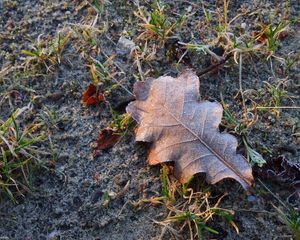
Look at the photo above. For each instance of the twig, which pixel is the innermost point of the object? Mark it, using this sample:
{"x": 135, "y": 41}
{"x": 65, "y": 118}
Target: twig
{"x": 240, "y": 84}
{"x": 276, "y": 197}
{"x": 214, "y": 66}
{"x": 172, "y": 230}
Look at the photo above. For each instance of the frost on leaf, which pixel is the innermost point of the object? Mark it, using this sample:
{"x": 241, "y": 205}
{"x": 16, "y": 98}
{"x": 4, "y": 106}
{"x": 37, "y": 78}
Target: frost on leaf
{"x": 185, "y": 130}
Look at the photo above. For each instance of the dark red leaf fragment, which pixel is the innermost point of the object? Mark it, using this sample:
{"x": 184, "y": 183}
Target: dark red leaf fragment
{"x": 107, "y": 138}
{"x": 92, "y": 96}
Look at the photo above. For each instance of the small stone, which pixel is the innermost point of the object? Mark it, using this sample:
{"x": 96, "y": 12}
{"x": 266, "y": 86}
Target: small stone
{"x": 96, "y": 196}
{"x": 55, "y": 96}
{"x": 189, "y": 8}
{"x": 120, "y": 179}
{"x": 251, "y": 198}
{"x": 54, "y": 235}
{"x": 125, "y": 46}
{"x": 77, "y": 202}
{"x": 58, "y": 212}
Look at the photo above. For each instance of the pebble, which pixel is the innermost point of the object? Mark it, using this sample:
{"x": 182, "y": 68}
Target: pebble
{"x": 58, "y": 212}
{"x": 54, "y": 235}
{"x": 96, "y": 196}
{"x": 120, "y": 179}
{"x": 251, "y": 198}
{"x": 124, "y": 46}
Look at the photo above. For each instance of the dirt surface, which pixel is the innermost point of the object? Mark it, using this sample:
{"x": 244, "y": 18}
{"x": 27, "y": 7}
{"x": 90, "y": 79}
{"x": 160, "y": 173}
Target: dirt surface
{"x": 68, "y": 198}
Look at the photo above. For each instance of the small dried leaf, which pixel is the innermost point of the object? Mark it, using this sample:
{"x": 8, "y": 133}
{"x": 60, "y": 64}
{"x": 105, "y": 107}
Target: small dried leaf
{"x": 260, "y": 37}
{"x": 90, "y": 91}
{"x": 107, "y": 138}
{"x": 185, "y": 131}
{"x": 92, "y": 96}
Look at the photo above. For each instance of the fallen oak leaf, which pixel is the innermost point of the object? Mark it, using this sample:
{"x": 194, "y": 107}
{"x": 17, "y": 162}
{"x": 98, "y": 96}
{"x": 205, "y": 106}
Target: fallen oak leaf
{"x": 92, "y": 96}
{"x": 107, "y": 138}
{"x": 185, "y": 131}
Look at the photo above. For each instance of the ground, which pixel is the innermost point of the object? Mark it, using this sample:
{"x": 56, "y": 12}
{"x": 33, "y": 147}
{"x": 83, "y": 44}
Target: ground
{"x": 77, "y": 195}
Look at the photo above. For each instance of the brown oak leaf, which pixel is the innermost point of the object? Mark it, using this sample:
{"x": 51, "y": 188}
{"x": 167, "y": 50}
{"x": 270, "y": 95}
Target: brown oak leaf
{"x": 185, "y": 130}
